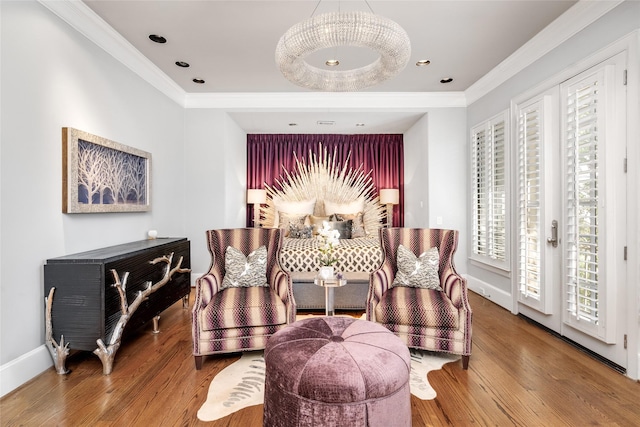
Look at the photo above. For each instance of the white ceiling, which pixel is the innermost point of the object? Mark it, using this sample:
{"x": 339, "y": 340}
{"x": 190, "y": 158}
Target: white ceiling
{"x": 231, "y": 45}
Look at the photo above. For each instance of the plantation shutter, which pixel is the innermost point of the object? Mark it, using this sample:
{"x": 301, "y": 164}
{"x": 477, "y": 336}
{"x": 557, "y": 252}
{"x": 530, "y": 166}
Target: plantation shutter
{"x": 535, "y": 145}
{"x": 582, "y": 219}
{"x": 497, "y": 218}
{"x": 489, "y": 171}
{"x": 529, "y": 207}
{"x": 481, "y": 194}
{"x": 586, "y": 103}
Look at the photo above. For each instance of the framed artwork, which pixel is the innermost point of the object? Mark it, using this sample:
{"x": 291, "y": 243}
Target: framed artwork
{"x": 99, "y": 175}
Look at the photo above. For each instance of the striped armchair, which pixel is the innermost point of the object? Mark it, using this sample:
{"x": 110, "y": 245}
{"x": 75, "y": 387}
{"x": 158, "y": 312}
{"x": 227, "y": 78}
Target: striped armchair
{"x": 425, "y": 319}
{"x": 240, "y": 319}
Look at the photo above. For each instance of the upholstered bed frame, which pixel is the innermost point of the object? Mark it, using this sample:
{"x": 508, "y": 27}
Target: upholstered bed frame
{"x": 318, "y": 188}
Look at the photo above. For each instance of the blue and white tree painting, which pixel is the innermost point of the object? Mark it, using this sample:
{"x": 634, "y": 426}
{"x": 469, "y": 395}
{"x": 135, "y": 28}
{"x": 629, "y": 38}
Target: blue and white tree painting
{"x": 110, "y": 177}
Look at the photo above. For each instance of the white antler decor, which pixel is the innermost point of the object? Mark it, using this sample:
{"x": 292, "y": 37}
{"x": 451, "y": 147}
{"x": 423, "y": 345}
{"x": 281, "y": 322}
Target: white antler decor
{"x": 107, "y": 353}
{"x": 59, "y": 352}
{"x": 323, "y": 178}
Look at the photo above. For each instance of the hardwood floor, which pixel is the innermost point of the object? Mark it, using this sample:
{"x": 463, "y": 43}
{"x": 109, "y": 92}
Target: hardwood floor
{"x": 518, "y": 375}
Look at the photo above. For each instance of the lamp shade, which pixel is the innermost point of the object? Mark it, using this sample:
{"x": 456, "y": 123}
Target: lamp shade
{"x": 389, "y": 196}
{"x": 256, "y": 196}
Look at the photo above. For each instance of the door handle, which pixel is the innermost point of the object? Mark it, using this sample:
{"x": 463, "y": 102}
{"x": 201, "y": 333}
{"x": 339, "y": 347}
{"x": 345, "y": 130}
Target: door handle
{"x": 554, "y": 234}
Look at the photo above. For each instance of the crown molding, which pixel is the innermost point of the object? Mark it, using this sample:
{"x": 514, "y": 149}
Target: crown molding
{"x": 79, "y": 16}
{"x": 88, "y": 23}
{"x": 321, "y": 101}
{"x": 575, "y": 19}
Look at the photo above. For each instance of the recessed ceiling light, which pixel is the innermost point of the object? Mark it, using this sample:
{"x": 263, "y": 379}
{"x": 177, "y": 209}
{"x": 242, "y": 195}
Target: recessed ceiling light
{"x": 447, "y": 80}
{"x": 326, "y": 122}
{"x": 293, "y": 124}
{"x": 359, "y": 124}
{"x": 157, "y": 38}
{"x": 182, "y": 64}
{"x": 199, "y": 81}
{"x": 332, "y": 62}
{"x": 423, "y": 62}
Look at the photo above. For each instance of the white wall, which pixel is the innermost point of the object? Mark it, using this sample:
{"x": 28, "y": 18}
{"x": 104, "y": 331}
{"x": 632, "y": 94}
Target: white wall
{"x": 416, "y": 177}
{"x": 54, "y": 77}
{"x": 613, "y": 26}
{"x": 435, "y": 166}
{"x": 216, "y": 162}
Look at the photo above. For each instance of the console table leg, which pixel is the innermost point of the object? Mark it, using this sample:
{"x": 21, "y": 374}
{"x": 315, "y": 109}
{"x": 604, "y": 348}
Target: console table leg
{"x": 59, "y": 352}
{"x": 185, "y": 301}
{"x": 107, "y": 354}
{"x": 156, "y": 327}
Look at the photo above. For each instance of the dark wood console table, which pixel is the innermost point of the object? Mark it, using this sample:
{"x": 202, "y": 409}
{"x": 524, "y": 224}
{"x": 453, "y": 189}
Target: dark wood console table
{"x": 92, "y": 296}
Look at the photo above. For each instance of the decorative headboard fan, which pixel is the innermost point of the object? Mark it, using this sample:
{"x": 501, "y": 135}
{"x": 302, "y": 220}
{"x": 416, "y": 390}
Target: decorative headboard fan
{"x": 323, "y": 178}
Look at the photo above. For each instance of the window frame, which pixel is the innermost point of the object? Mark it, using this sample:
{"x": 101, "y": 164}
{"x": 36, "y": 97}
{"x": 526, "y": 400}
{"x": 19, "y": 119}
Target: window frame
{"x": 611, "y": 188}
{"x": 546, "y": 105}
{"x": 494, "y": 240}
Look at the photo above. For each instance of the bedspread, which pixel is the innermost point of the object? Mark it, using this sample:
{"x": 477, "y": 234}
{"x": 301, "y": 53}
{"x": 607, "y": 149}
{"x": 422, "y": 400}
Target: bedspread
{"x": 362, "y": 254}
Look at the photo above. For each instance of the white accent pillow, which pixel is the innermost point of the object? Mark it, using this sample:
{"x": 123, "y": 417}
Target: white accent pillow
{"x": 344, "y": 208}
{"x": 418, "y": 272}
{"x": 244, "y": 272}
{"x": 298, "y": 207}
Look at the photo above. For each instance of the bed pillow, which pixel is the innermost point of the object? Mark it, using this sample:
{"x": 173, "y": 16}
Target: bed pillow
{"x": 244, "y": 272}
{"x": 304, "y": 232}
{"x": 316, "y": 223}
{"x": 346, "y": 208}
{"x": 343, "y": 227}
{"x": 289, "y": 221}
{"x": 417, "y": 272}
{"x": 298, "y": 207}
{"x": 357, "y": 229}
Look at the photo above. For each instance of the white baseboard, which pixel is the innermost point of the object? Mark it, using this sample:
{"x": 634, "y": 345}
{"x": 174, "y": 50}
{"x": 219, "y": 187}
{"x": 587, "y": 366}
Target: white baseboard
{"x": 24, "y": 368}
{"x": 490, "y": 292}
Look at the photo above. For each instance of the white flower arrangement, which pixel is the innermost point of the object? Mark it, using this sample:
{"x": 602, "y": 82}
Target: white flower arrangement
{"x": 328, "y": 238}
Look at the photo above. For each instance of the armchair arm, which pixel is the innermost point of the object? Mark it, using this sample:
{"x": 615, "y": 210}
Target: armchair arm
{"x": 206, "y": 286}
{"x": 379, "y": 282}
{"x": 280, "y": 282}
{"x": 455, "y": 286}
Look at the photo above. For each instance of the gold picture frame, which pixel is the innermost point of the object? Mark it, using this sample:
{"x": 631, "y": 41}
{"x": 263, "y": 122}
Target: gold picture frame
{"x": 99, "y": 175}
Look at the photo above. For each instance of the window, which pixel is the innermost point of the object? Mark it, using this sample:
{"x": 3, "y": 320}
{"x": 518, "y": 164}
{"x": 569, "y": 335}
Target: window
{"x": 489, "y": 188}
{"x": 589, "y": 144}
{"x": 536, "y": 146}
{"x": 582, "y": 213}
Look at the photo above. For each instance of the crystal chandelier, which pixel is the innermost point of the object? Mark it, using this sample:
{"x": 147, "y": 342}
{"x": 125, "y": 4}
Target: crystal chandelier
{"x": 358, "y": 29}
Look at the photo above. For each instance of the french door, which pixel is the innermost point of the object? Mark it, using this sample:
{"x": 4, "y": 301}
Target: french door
{"x": 571, "y": 209}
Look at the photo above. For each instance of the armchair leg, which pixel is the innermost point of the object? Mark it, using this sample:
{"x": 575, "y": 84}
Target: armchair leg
{"x": 198, "y": 360}
{"x": 465, "y": 362}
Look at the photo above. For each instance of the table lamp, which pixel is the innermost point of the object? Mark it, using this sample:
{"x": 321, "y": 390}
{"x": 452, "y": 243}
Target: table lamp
{"x": 256, "y": 197}
{"x": 389, "y": 197}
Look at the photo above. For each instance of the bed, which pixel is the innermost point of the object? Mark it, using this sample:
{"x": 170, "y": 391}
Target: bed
{"x": 321, "y": 192}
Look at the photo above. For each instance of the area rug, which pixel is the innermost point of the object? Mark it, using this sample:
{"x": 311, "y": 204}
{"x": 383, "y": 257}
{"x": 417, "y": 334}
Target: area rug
{"x": 241, "y": 384}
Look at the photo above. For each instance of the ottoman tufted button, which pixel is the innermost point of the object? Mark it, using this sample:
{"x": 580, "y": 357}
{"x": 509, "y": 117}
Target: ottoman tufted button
{"x": 336, "y": 371}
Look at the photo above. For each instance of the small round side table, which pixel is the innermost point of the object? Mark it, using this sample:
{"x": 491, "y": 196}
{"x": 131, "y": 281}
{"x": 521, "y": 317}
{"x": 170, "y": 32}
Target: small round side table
{"x": 329, "y": 285}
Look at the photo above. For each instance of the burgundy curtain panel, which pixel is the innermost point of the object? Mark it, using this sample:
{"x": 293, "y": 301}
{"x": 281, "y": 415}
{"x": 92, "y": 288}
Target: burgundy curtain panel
{"x": 268, "y": 155}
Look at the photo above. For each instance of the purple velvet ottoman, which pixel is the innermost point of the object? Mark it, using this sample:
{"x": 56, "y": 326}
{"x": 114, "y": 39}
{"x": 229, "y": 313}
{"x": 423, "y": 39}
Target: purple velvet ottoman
{"x": 336, "y": 371}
